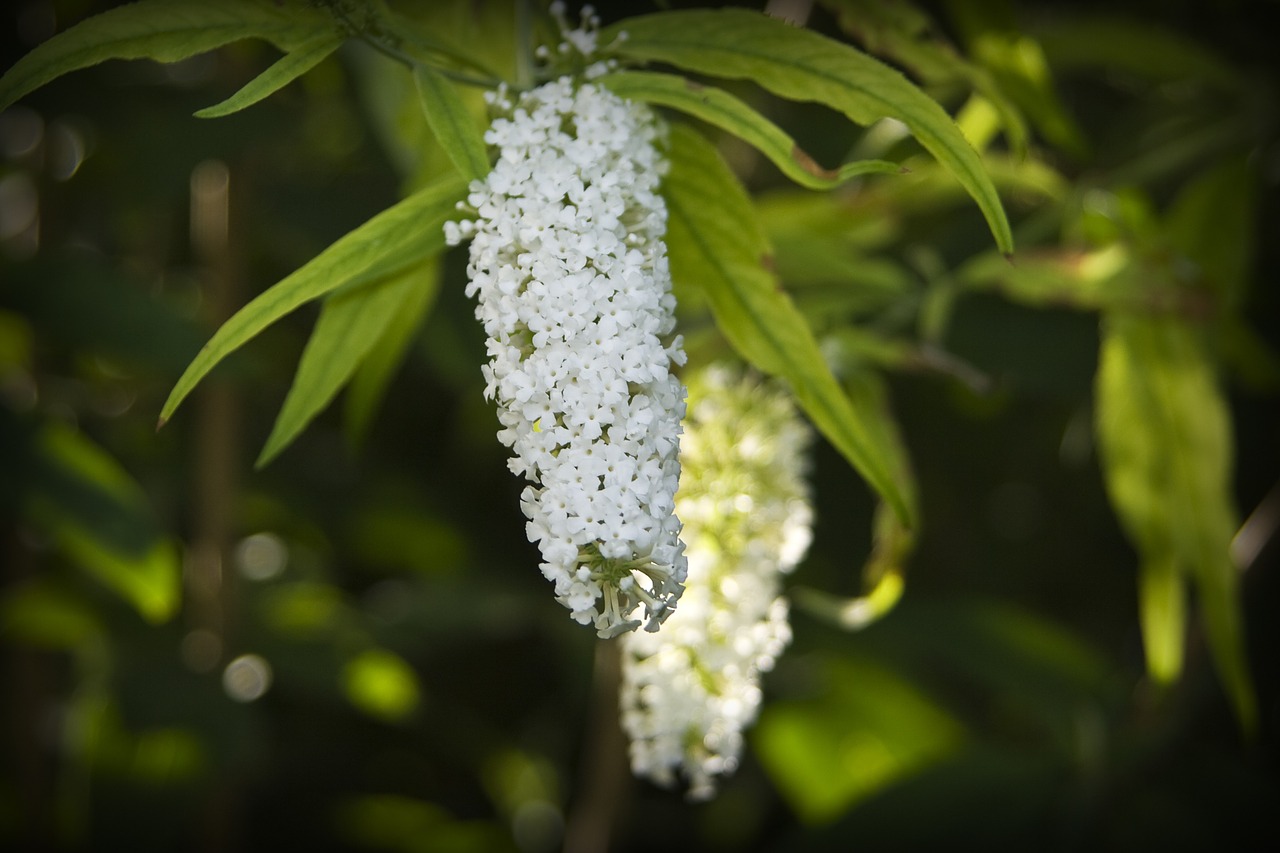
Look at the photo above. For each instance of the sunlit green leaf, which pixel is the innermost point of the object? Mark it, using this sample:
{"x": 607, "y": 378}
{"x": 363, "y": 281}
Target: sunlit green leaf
{"x": 374, "y": 374}
{"x": 1164, "y": 433}
{"x": 381, "y": 684}
{"x": 905, "y": 35}
{"x": 1017, "y": 63}
{"x": 350, "y": 324}
{"x": 93, "y": 511}
{"x": 805, "y": 66}
{"x": 163, "y": 30}
{"x": 1162, "y": 615}
{"x": 718, "y": 107}
{"x": 867, "y": 730}
{"x": 718, "y": 247}
{"x": 451, "y": 123}
{"x": 409, "y": 231}
{"x": 293, "y": 65}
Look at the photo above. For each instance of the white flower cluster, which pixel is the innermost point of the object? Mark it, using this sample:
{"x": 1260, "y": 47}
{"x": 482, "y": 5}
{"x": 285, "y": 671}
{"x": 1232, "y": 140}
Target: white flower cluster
{"x": 689, "y": 691}
{"x": 568, "y": 261}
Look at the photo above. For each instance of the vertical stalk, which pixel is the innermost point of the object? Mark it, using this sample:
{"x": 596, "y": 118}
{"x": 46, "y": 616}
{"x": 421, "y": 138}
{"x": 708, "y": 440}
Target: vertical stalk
{"x": 604, "y": 780}
{"x": 210, "y": 583}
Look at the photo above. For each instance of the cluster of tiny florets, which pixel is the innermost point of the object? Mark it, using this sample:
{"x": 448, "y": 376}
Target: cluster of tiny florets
{"x": 570, "y": 270}
{"x": 689, "y": 690}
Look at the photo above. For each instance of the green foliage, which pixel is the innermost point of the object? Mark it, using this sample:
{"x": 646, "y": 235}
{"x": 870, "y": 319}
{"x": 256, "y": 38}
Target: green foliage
{"x": 731, "y": 114}
{"x": 421, "y": 698}
{"x": 1164, "y": 430}
{"x": 716, "y": 245}
{"x": 407, "y": 233}
{"x": 295, "y": 63}
{"x": 451, "y": 123}
{"x": 166, "y": 31}
{"x": 804, "y": 66}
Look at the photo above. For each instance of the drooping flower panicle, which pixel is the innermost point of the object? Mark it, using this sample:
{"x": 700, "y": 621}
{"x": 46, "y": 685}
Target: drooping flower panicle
{"x": 570, "y": 270}
{"x": 689, "y": 690}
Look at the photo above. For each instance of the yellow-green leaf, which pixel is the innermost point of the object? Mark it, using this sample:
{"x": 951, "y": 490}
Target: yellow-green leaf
{"x": 717, "y": 246}
{"x": 374, "y": 373}
{"x": 718, "y": 107}
{"x": 350, "y": 323}
{"x": 163, "y": 30}
{"x": 95, "y": 513}
{"x": 451, "y": 123}
{"x": 805, "y": 66}
{"x": 1164, "y": 435}
{"x": 293, "y": 65}
{"x": 409, "y": 231}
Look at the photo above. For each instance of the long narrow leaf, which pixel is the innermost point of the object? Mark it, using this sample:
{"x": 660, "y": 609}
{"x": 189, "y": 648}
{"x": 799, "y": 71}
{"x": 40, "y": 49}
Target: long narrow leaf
{"x": 805, "y": 66}
{"x": 718, "y": 246}
{"x": 451, "y": 122}
{"x": 1165, "y": 439}
{"x": 374, "y": 373}
{"x": 163, "y": 30}
{"x": 350, "y": 323}
{"x": 293, "y": 65}
{"x": 406, "y": 232}
{"x": 718, "y": 107}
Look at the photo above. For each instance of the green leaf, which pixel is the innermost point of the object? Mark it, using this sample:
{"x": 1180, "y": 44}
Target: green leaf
{"x": 1165, "y": 438}
{"x": 95, "y": 513}
{"x": 804, "y": 66}
{"x": 1162, "y": 615}
{"x": 718, "y": 246}
{"x": 409, "y": 231}
{"x": 451, "y": 122}
{"x": 1213, "y": 223}
{"x": 375, "y": 371}
{"x": 904, "y": 34}
{"x": 718, "y": 107}
{"x": 892, "y": 541}
{"x": 163, "y": 30}
{"x": 349, "y": 325}
{"x": 866, "y": 730}
{"x": 293, "y": 65}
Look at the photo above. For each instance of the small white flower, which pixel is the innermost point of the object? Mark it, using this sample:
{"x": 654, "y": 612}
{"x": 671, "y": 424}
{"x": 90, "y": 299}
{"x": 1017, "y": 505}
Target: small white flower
{"x": 689, "y": 690}
{"x": 569, "y": 267}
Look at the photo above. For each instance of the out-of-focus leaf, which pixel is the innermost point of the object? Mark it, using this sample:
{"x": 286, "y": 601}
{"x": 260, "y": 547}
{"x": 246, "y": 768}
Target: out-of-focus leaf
{"x": 805, "y": 66}
{"x": 1059, "y": 277}
{"x": 718, "y": 107}
{"x": 350, "y": 323}
{"x": 41, "y": 614}
{"x": 163, "y": 30}
{"x": 717, "y": 246}
{"x": 374, "y": 373}
{"x": 1109, "y": 43}
{"x": 904, "y": 34}
{"x": 302, "y": 609}
{"x": 93, "y": 511}
{"x": 293, "y": 65}
{"x": 1164, "y": 433}
{"x": 868, "y": 729}
{"x": 1020, "y": 68}
{"x": 1211, "y": 223}
{"x": 1162, "y": 614}
{"x": 452, "y": 123}
{"x": 408, "y": 232}
{"x": 381, "y": 684}
{"x": 405, "y": 825}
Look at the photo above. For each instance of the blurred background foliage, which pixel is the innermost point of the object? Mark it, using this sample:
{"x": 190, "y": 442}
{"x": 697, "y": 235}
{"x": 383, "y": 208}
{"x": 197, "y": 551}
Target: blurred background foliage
{"x": 351, "y": 648}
